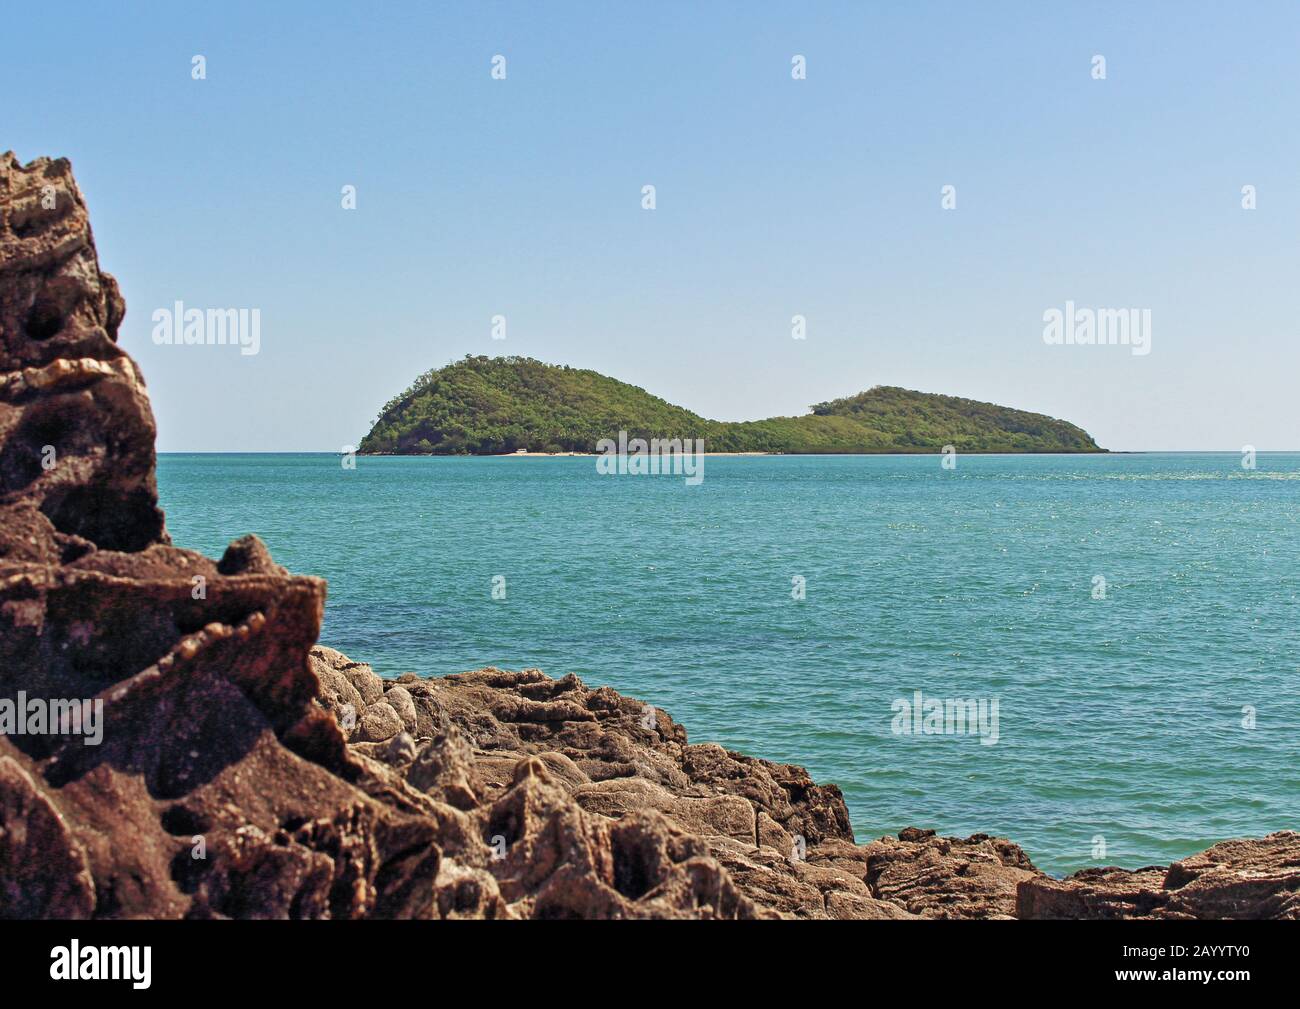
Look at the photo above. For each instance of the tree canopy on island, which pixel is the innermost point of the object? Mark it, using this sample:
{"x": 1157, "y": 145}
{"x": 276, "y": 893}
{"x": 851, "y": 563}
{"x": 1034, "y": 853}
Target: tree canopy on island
{"x": 492, "y": 405}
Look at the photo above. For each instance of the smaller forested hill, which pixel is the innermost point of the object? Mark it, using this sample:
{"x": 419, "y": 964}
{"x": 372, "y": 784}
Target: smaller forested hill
{"x": 490, "y": 405}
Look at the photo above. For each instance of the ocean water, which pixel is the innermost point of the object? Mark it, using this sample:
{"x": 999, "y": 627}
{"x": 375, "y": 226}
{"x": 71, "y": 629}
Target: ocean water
{"x": 1156, "y": 720}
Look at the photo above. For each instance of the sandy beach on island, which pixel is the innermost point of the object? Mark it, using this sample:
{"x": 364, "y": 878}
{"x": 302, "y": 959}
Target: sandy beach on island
{"x": 533, "y": 455}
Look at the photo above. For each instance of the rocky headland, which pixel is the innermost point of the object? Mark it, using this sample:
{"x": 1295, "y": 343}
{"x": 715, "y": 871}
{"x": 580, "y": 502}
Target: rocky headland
{"x": 246, "y": 771}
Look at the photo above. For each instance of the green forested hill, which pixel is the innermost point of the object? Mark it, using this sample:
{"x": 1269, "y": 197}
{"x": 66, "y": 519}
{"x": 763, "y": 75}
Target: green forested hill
{"x": 488, "y": 405}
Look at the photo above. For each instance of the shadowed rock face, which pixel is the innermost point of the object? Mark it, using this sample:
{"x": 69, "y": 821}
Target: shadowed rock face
{"x": 245, "y": 772}
{"x": 66, "y": 383}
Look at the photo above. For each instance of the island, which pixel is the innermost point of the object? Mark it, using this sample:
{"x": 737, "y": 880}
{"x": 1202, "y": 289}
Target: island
{"x": 503, "y": 405}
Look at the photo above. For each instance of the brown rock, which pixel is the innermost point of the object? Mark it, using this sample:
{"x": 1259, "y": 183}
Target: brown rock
{"x": 378, "y": 723}
{"x": 444, "y": 768}
{"x": 944, "y": 877}
{"x": 1235, "y": 879}
{"x": 399, "y": 699}
{"x": 43, "y": 870}
{"x": 76, "y": 432}
{"x": 725, "y": 815}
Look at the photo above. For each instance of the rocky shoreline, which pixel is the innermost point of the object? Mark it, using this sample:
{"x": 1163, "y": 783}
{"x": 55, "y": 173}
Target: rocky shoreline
{"x": 246, "y": 771}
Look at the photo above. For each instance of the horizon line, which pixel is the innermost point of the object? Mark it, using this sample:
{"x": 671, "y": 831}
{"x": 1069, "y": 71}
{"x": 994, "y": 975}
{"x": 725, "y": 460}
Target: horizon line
{"x": 752, "y": 455}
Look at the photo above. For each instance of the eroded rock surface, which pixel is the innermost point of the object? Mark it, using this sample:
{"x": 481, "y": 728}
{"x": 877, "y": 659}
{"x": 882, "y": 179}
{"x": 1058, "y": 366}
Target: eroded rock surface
{"x": 784, "y": 841}
{"x": 246, "y": 772}
{"x": 1258, "y": 878}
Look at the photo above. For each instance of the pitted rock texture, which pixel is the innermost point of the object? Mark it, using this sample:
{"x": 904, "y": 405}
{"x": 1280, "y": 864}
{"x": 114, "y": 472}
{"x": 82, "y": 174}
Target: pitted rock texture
{"x": 784, "y": 840}
{"x": 611, "y": 751}
{"x": 245, "y": 772}
{"x": 1233, "y": 879}
{"x": 76, "y": 432}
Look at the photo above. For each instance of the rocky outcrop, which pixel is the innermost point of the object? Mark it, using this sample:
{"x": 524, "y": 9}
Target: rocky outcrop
{"x": 461, "y": 739}
{"x": 221, "y": 786}
{"x": 65, "y": 384}
{"x": 784, "y": 840}
{"x": 1235, "y": 879}
{"x": 244, "y": 771}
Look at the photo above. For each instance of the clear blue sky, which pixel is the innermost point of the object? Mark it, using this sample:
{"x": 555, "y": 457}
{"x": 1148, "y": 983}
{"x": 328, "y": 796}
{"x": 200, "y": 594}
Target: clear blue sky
{"x": 819, "y": 197}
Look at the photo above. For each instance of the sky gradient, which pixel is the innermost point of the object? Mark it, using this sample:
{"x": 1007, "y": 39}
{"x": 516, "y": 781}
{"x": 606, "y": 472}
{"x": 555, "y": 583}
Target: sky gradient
{"x": 775, "y": 197}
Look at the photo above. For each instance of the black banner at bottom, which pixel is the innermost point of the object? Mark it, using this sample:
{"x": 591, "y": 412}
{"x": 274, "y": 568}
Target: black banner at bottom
{"x": 342, "y": 958}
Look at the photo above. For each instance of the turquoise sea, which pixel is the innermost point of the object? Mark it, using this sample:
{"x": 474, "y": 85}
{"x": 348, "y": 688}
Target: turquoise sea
{"x": 1125, "y": 718}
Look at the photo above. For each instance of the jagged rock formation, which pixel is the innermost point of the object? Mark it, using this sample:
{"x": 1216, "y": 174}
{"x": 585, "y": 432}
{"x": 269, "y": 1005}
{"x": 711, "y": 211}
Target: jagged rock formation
{"x": 243, "y": 772}
{"x": 221, "y": 787}
{"x": 1234, "y": 879}
{"x": 784, "y": 840}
